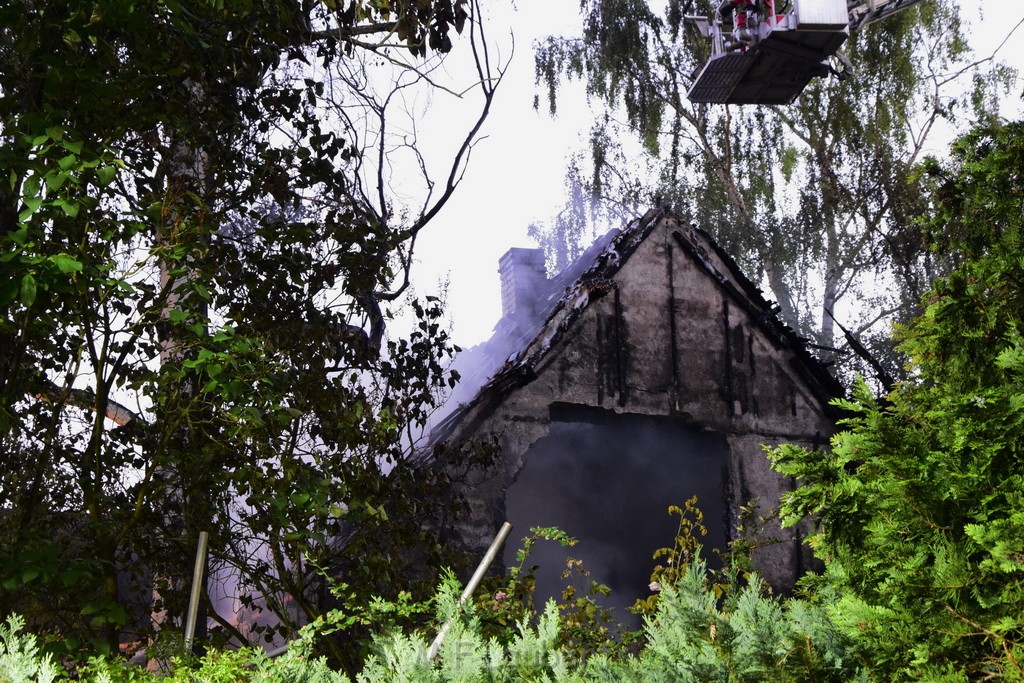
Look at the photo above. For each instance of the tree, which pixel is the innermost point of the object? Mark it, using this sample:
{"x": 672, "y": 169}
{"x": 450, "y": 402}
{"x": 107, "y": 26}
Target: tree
{"x": 815, "y": 198}
{"x": 200, "y": 254}
{"x": 919, "y": 503}
{"x": 575, "y": 227}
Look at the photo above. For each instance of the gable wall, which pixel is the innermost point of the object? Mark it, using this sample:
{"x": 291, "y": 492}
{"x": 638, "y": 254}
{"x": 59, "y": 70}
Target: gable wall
{"x": 664, "y": 339}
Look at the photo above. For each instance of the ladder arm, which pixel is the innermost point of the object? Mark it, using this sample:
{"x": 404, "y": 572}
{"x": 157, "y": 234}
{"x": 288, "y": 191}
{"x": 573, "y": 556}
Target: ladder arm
{"x": 864, "y": 12}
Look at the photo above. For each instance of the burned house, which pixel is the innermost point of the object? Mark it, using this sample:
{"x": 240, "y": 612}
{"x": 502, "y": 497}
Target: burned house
{"x": 650, "y": 371}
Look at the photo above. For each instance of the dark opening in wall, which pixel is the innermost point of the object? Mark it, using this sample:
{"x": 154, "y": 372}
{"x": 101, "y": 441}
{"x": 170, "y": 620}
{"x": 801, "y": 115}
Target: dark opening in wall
{"x": 608, "y": 480}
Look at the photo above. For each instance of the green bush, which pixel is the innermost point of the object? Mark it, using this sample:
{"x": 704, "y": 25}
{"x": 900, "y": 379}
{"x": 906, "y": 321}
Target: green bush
{"x": 702, "y": 628}
{"x": 920, "y": 501}
{"x": 20, "y": 658}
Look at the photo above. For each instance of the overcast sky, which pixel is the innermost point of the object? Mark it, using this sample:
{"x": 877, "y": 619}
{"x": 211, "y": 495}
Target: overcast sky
{"x": 516, "y": 174}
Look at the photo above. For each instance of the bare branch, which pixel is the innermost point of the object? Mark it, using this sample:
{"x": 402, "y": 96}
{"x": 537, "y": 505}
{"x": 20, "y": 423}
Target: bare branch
{"x": 488, "y": 84}
{"x": 388, "y": 27}
{"x": 86, "y": 399}
{"x": 977, "y": 63}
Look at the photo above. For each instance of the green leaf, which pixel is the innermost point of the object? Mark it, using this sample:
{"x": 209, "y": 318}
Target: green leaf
{"x": 31, "y": 206}
{"x": 66, "y": 263}
{"x": 55, "y": 180}
{"x": 69, "y": 207}
{"x": 28, "y": 290}
{"x": 31, "y": 188}
{"x": 203, "y": 293}
{"x": 106, "y": 174}
{"x": 8, "y": 292}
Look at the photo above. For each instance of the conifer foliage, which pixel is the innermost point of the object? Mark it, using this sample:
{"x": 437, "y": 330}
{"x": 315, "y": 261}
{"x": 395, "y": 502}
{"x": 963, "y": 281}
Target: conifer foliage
{"x": 921, "y": 500}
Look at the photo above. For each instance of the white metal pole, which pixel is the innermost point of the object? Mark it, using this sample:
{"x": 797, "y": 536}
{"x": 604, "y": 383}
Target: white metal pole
{"x": 478, "y": 576}
{"x": 197, "y": 586}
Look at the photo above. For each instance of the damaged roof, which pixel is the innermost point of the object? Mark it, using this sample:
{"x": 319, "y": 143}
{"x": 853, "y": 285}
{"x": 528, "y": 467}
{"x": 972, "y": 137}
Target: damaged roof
{"x": 591, "y": 276}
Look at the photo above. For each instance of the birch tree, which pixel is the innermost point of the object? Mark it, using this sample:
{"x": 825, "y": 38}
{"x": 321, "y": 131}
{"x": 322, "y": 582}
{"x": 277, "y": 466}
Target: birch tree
{"x": 815, "y": 199}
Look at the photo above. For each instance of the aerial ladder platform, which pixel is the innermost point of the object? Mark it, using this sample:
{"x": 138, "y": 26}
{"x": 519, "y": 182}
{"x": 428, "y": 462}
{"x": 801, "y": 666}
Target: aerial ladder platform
{"x": 767, "y": 51}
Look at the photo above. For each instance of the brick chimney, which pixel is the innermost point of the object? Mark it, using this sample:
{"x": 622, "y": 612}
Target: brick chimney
{"x": 523, "y": 287}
